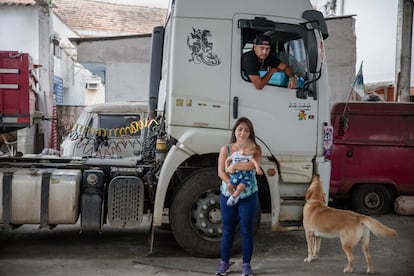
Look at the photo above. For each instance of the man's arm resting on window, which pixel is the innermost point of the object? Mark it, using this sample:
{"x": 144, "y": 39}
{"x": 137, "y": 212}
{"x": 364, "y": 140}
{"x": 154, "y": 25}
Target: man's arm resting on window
{"x": 291, "y": 74}
{"x": 259, "y": 82}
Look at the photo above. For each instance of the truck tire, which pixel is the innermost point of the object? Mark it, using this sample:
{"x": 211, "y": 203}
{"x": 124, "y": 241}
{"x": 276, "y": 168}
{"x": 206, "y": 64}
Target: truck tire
{"x": 195, "y": 215}
{"x": 372, "y": 199}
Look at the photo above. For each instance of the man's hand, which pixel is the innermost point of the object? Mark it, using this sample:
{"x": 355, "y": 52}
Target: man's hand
{"x": 289, "y": 71}
{"x": 292, "y": 83}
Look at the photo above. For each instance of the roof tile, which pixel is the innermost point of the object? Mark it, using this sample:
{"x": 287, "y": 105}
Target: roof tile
{"x": 99, "y": 16}
{"x": 17, "y": 2}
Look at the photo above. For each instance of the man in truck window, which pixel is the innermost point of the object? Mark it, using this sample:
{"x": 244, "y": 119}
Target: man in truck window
{"x": 261, "y": 59}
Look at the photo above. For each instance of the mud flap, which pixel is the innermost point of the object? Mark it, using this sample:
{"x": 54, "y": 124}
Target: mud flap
{"x": 91, "y": 200}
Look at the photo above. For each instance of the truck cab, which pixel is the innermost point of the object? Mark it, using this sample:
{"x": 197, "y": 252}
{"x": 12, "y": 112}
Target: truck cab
{"x": 110, "y": 130}
{"x": 203, "y": 91}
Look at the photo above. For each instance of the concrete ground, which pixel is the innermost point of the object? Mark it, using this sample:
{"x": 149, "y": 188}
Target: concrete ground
{"x": 64, "y": 251}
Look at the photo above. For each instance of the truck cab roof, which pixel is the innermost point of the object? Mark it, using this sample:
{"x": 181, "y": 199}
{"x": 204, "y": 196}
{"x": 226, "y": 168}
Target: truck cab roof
{"x": 118, "y": 107}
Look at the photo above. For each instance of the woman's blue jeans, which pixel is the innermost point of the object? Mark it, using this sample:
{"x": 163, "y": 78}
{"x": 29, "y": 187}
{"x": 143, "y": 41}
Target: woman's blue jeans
{"x": 244, "y": 212}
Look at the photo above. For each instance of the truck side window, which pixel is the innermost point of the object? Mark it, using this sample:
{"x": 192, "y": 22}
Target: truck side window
{"x": 287, "y": 44}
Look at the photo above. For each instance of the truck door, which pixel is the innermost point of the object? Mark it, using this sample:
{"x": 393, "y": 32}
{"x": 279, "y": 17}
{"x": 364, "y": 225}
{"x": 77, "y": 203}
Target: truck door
{"x": 287, "y": 124}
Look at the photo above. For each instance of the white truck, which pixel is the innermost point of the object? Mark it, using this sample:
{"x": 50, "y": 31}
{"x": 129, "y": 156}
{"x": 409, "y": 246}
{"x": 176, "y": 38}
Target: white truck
{"x": 197, "y": 92}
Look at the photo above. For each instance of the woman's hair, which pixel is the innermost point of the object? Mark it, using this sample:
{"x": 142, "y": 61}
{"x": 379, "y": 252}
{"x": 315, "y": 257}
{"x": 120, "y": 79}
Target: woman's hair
{"x": 249, "y": 124}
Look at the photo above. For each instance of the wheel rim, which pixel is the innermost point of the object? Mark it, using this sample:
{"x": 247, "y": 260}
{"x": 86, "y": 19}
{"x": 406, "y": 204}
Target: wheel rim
{"x": 372, "y": 200}
{"x": 206, "y": 215}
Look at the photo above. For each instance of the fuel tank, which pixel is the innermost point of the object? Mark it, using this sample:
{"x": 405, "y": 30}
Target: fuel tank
{"x": 39, "y": 196}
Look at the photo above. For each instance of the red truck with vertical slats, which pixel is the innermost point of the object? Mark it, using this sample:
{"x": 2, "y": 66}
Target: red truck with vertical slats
{"x": 373, "y": 154}
{"x": 18, "y": 91}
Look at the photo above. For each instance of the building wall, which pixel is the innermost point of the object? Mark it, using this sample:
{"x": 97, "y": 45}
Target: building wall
{"x": 19, "y": 30}
{"x": 74, "y": 75}
{"x": 341, "y": 56}
{"x": 127, "y": 65}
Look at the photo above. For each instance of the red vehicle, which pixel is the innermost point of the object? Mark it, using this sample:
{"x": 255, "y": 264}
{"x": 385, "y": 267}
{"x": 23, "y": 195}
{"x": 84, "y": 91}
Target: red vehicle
{"x": 18, "y": 91}
{"x": 373, "y": 154}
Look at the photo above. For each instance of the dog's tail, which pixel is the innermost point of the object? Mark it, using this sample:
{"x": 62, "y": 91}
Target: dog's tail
{"x": 377, "y": 227}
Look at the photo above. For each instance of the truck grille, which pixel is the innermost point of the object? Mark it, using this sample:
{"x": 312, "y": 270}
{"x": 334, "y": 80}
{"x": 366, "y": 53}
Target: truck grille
{"x": 125, "y": 201}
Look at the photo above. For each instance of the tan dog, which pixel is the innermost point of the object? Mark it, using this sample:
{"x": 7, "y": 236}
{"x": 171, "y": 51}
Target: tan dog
{"x": 319, "y": 220}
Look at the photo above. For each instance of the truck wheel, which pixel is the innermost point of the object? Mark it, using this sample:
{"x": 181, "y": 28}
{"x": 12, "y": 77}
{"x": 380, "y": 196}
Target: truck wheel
{"x": 372, "y": 199}
{"x": 195, "y": 215}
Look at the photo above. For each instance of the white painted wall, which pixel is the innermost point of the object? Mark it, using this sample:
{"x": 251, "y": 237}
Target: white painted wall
{"x": 19, "y": 30}
{"x": 74, "y": 75}
{"x": 127, "y": 65}
{"x": 341, "y": 57}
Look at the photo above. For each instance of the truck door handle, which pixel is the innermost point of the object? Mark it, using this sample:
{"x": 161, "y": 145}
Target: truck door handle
{"x": 235, "y": 107}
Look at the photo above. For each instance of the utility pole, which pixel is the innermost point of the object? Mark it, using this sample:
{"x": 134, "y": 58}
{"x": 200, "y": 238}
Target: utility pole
{"x": 46, "y": 71}
{"x": 403, "y": 51}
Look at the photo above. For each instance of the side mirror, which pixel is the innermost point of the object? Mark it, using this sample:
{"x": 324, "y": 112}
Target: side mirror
{"x": 315, "y": 21}
{"x": 313, "y": 52}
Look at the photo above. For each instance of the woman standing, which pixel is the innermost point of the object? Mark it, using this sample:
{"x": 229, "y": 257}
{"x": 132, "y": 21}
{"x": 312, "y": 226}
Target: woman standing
{"x": 244, "y": 211}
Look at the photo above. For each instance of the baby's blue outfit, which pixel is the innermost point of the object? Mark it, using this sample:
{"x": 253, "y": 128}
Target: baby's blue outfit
{"x": 244, "y": 177}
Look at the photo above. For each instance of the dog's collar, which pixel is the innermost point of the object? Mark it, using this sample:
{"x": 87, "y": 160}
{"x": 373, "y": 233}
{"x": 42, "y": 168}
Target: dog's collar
{"x": 318, "y": 200}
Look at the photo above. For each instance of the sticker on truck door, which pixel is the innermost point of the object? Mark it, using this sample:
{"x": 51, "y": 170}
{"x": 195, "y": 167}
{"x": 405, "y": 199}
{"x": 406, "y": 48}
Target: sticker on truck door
{"x": 201, "y": 48}
{"x": 303, "y": 110}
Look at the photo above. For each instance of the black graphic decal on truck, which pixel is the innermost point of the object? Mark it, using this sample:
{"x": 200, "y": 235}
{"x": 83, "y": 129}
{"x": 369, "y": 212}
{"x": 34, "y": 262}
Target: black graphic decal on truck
{"x": 201, "y": 48}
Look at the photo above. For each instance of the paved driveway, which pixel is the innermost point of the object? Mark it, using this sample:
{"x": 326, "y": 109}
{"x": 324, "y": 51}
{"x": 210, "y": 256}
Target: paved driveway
{"x": 64, "y": 251}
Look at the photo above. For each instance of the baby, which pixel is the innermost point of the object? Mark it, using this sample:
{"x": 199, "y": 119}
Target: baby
{"x": 239, "y": 180}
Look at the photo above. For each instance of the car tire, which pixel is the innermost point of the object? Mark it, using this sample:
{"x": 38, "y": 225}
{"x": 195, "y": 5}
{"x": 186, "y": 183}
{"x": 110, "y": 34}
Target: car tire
{"x": 372, "y": 199}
